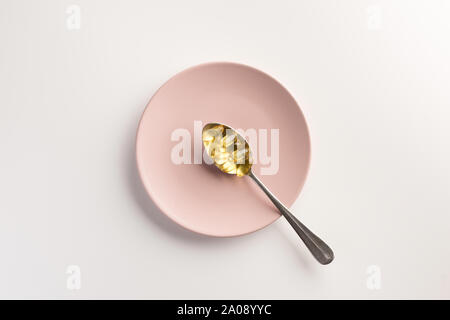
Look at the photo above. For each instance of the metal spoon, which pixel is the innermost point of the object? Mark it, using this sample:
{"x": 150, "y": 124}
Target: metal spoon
{"x": 232, "y": 154}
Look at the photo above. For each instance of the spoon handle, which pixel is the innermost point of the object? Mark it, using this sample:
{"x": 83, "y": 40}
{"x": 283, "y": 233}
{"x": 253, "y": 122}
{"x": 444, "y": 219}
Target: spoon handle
{"x": 319, "y": 249}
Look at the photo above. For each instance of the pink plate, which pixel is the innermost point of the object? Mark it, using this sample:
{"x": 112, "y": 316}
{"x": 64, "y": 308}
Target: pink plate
{"x": 198, "y": 196}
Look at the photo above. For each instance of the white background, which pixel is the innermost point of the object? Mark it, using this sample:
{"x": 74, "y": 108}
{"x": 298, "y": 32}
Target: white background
{"x": 372, "y": 77}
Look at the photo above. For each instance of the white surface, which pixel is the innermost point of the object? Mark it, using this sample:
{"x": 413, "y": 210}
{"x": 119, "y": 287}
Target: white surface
{"x": 372, "y": 78}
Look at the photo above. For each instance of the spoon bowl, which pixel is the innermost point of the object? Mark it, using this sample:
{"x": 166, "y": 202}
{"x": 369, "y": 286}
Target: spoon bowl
{"x": 229, "y": 150}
